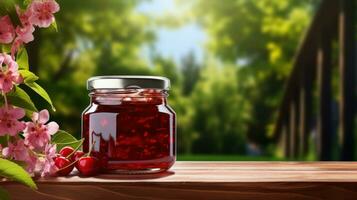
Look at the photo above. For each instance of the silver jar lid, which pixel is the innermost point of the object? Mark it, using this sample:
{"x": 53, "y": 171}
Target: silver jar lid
{"x": 126, "y": 82}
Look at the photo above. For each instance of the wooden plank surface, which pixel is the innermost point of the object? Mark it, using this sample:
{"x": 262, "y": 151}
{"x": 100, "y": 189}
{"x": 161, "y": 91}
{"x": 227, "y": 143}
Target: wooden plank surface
{"x": 207, "y": 180}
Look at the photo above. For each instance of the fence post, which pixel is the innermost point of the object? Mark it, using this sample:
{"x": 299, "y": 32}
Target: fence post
{"x": 347, "y": 63}
{"x": 294, "y": 122}
{"x": 305, "y": 109}
{"x": 324, "y": 122}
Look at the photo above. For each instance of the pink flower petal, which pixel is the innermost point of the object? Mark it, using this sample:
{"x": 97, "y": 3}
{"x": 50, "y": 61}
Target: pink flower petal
{"x": 9, "y": 75}
{"x": 43, "y": 116}
{"x": 2, "y": 58}
{"x": 34, "y": 117}
{"x": 25, "y": 34}
{"x": 7, "y": 31}
{"x": 52, "y": 128}
{"x": 17, "y": 113}
{"x": 6, "y": 152}
{"x": 16, "y": 46}
{"x": 52, "y": 6}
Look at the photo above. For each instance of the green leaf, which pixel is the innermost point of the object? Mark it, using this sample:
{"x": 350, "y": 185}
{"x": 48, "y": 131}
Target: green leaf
{"x": 18, "y": 97}
{"x": 22, "y": 59}
{"x": 27, "y": 2}
{"x": 42, "y": 92}
{"x": 5, "y": 48}
{"x": 4, "y": 140}
{"x": 54, "y": 26}
{"x": 7, "y": 7}
{"x": 75, "y": 145}
{"x": 62, "y": 139}
{"x": 4, "y": 195}
{"x": 14, "y": 172}
{"x": 28, "y": 76}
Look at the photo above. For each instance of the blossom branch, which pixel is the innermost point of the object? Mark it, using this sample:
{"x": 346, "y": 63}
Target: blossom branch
{"x": 33, "y": 147}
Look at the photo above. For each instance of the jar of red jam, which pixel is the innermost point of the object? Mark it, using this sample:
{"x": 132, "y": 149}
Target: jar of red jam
{"x": 128, "y": 125}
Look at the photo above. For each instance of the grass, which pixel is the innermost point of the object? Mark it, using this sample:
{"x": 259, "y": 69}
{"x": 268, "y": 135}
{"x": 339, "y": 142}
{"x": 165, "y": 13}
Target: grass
{"x": 206, "y": 157}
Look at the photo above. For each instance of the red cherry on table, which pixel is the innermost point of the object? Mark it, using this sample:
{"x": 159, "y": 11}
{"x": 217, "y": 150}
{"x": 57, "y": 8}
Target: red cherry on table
{"x": 65, "y": 151}
{"x": 77, "y": 156}
{"x": 64, "y": 166}
{"x": 88, "y": 165}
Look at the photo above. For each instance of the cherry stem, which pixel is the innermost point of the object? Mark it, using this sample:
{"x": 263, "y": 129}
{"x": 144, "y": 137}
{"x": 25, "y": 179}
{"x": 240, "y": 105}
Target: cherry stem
{"x": 76, "y": 149}
{"x": 72, "y": 163}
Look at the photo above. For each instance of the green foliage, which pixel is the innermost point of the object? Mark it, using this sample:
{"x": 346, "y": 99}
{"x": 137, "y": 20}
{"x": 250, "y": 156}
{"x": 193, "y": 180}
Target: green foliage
{"x": 40, "y": 91}
{"x": 54, "y": 26}
{"x": 87, "y": 43}
{"x": 28, "y": 76}
{"x": 260, "y": 37}
{"x": 7, "y": 7}
{"x": 5, "y": 48}
{"x": 62, "y": 139}
{"x": 18, "y": 97}
{"x": 15, "y": 172}
{"x": 4, "y": 140}
{"x": 191, "y": 71}
{"x": 223, "y": 103}
{"x": 26, "y": 2}
{"x": 22, "y": 59}
{"x": 219, "y": 112}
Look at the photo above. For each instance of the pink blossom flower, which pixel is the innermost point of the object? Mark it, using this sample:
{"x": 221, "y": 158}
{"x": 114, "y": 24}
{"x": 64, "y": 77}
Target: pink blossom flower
{"x": 15, "y": 46}
{"x": 42, "y": 12}
{"x": 24, "y": 34}
{"x": 24, "y": 16}
{"x": 48, "y": 166}
{"x": 25, "y": 31}
{"x": 20, "y": 152}
{"x": 7, "y": 30}
{"x": 9, "y": 74}
{"x": 9, "y": 123}
{"x": 17, "y": 151}
{"x": 37, "y": 134}
{"x": 31, "y": 162}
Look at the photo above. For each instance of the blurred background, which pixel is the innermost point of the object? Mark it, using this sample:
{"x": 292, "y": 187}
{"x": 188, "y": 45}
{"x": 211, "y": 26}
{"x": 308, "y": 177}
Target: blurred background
{"x": 231, "y": 65}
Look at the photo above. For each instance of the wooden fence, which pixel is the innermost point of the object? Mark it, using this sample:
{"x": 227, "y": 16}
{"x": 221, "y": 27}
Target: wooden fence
{"x": 329, "y": 47}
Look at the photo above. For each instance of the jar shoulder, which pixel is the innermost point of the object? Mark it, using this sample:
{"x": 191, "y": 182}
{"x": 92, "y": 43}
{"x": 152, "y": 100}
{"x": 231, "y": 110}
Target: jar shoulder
{"x": 90, "y": 109}
{"x": 95, "y": 108}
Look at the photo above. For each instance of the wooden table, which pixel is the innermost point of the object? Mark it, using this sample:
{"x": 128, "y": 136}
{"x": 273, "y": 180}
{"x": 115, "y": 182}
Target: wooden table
{"x": 206, "y": 180}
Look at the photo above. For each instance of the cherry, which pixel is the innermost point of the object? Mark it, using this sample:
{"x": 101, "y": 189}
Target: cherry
{"x": 64, "y": 166}
{"x": 88, "y": 165}
{"x": 76, "y": 156}
{"x": 66, "y": 151}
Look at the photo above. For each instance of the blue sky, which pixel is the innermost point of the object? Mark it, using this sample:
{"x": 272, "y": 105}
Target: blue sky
{"x": 178, "y": 42}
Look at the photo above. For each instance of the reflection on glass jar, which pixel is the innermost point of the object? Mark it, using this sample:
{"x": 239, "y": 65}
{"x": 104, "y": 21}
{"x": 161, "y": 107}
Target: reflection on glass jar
{"x": 129, "y": 125}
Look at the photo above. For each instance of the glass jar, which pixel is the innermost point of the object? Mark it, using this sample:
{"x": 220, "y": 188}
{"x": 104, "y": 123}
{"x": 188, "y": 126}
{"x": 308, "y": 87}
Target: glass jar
{"x": 128, "y": 125}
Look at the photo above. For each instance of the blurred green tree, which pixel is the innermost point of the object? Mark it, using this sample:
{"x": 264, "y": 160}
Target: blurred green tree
{"x": 190, "y": 72}
{"x": 261, "y": 37}
{"x": 219, "y": 113}
{"x": 229, "y": 99}
{"x": 94, "y": 38}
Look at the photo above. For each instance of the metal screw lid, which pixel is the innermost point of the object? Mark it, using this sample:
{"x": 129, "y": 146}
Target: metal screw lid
{"x": 127, "y": 82}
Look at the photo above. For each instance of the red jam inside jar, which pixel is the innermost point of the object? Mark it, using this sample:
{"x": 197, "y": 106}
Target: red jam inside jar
{"x": 129, "y": 125}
